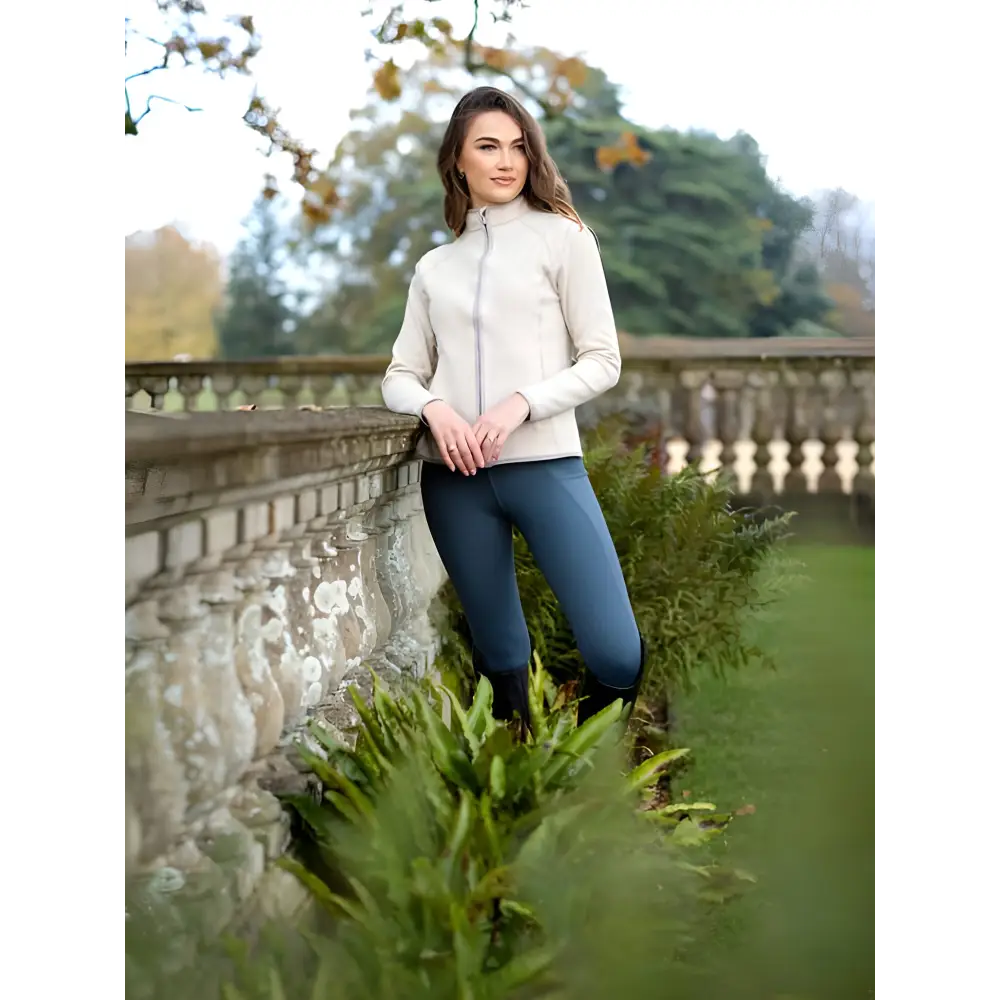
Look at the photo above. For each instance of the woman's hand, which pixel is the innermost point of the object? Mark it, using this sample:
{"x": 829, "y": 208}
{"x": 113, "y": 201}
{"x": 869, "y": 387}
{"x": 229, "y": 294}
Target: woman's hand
{"x": 454, "y": 438}
{"x": 493, "y": 428}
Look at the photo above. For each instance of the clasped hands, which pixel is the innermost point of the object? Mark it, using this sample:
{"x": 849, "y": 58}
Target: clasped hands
{"x": 468, "y": 448}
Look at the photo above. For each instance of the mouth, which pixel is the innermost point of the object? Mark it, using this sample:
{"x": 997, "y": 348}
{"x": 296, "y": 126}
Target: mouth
{"x": 503, "y": 181}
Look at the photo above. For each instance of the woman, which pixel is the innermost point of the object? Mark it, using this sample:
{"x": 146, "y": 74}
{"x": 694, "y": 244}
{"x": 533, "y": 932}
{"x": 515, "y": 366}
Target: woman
{"x": 507, "y": 330}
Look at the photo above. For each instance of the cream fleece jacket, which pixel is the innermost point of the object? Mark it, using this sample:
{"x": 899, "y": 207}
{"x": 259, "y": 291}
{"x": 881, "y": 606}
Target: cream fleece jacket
{"x": 518, "y": 303}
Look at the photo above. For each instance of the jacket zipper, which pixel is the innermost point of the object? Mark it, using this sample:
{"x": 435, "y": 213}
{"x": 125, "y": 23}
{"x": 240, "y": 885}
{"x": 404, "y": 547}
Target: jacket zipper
{"x": 477, "y": 319}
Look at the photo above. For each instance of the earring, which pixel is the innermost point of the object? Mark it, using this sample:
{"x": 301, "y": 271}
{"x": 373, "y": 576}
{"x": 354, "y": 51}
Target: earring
{"x": 461, "y": 176}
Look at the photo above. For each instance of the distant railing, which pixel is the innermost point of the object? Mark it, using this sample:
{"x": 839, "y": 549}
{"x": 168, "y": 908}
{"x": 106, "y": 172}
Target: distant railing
{"x": 783, "y": 415}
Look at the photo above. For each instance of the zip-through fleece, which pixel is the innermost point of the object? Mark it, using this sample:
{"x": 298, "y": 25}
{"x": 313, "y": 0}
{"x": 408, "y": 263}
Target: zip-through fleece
{"x": 518, "y": 303}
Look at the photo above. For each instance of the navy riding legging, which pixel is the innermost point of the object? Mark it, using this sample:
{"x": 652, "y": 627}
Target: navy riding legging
{"x": 553, "y": 505}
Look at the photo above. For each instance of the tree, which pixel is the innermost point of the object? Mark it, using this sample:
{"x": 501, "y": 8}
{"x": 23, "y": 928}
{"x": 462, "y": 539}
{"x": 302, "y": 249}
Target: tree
{"x": 389, "y": 213}
{"x": 172, "y": 290}
{"x": 258, "y": 318}
{"x": 841, "y": 245}
{"x": 696, "y": 239}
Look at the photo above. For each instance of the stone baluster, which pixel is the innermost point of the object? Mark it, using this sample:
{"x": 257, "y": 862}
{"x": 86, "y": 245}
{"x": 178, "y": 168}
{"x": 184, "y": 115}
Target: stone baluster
{"x": 131, "y": 388}
{"x": 693, "y": 382}
{"x": 253, "y": 388}
{"x": 190, "y": 388}
{"x": 368, "y": 390}
{"x": 797, "y": 385}
{"x": 762, "y": 430}
{"x": 287, "y": 616}
{"x": 728, "y": 384}
{"x": 290, "y": 389}
{"x": 831, "y": 431}
{"x": 320, "y": 387}
{"x": 252, "y": 662}
{"x": 340, "y": 394}
{"x": 863, "y": 380}
{"x": 156, "y": 387}
{"x": 344, "y": 611}
{"x": 222, "y": 387}
{"x": 666, "y": 392}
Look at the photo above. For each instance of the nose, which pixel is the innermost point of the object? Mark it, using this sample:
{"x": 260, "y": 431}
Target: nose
{"x": 504, "y": 163}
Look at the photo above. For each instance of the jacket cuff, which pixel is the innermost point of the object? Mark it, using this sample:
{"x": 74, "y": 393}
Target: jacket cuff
{"x": 427, "y": 403}
{"x": 534, "y": 404}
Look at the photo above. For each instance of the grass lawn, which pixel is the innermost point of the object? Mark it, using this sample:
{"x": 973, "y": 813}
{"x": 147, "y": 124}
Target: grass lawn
{"x": 797, "y": 744}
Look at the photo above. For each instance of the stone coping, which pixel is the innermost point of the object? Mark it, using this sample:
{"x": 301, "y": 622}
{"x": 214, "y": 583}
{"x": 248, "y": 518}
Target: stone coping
{"x": 156, "y": 437}
{"x": 634, "y": 349}
{"x": 177, "y": 465}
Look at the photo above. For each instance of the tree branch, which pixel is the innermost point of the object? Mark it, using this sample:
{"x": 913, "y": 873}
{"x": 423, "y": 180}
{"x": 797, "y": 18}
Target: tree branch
{"x": 473, "y": 68}
{"x": 157, "y": 97}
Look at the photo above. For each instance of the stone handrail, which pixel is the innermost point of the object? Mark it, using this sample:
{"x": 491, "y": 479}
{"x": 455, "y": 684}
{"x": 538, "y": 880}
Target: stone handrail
{"x": 783, "y": 415}
{"x": 270, "y": 559}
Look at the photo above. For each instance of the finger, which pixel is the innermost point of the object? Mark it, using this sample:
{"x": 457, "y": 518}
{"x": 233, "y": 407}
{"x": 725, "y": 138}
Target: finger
{"x": 445, "y": 453}
{"x": 464, "y": 454}
{"x": 475, "y": 452}
{"x": 479, "y": 432}
{"x": 455, "y": 454}
{"x": 498, "y": 445}
{"x": 490, "y": 448}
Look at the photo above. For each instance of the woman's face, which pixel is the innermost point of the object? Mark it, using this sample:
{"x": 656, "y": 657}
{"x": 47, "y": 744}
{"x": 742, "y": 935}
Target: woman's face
{"x": 493, "y": 159}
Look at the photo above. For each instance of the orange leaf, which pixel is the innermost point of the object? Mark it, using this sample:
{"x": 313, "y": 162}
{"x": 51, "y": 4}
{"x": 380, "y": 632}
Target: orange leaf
{"x": 386, "y": 81}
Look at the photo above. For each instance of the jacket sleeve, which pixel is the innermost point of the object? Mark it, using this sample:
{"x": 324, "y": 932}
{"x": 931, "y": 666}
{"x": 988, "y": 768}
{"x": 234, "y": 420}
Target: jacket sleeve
{"x": 414, "y": 356}
{"x": 586, "y": 306}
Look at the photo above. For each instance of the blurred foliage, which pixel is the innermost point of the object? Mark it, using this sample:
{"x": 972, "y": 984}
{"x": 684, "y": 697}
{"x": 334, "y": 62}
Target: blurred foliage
{"x": 695, "y": 237}
{"x": 259, "y": 312}
{"x": 173, "y": 288}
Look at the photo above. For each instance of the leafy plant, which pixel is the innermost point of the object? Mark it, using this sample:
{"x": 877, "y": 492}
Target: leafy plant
{"x": 698, "y": 572}
{"x": 436, "y": 845}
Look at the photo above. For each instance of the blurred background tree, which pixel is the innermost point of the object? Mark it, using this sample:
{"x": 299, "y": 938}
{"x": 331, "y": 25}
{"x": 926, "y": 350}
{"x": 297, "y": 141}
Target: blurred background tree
{"x": 173, "y": 288}
{"x": 259, "y": 316}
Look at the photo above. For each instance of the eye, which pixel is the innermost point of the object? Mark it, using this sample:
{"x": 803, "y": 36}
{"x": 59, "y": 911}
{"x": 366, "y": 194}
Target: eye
{"x": 486, "y": 145}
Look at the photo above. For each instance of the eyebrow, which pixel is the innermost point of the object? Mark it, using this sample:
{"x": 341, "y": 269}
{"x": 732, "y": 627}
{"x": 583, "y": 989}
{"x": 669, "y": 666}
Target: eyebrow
{"x": 490, "y": 138}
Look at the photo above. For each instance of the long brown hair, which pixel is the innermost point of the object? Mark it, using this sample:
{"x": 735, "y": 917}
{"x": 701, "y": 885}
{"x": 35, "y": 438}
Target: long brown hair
{"x": 544, "y": 188}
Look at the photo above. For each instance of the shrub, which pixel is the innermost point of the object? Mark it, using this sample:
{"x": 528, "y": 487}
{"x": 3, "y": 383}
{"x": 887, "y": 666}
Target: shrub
{"x": 698, "y": 572}
{"x": 460, "y": 861}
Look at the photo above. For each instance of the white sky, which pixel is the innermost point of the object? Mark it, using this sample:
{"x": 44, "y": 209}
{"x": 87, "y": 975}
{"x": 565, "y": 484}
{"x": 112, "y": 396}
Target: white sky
{"x": 797, "y": 75}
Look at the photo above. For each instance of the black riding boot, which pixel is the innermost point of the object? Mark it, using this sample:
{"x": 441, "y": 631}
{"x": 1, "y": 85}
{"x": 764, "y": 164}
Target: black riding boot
{"x": 597, "y": 696}
{"x": 510, "y": 691}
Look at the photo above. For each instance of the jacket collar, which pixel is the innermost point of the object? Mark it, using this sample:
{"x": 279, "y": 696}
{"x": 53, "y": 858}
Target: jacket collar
{"x": 496, "y": 215}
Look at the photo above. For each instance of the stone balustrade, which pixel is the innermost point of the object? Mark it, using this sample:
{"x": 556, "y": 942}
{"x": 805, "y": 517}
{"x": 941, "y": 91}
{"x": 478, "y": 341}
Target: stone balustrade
{"x": 784, "y": 416}
{"x": 270, "y": 560}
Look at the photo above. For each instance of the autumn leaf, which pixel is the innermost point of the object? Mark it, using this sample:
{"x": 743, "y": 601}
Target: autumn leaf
{"x": 210, "y": 49}
{"x": 496, "y": 59}
{"x": 572, "y": 70}
{"x": 386, "y": 81}
{"x": 626, "y": 150}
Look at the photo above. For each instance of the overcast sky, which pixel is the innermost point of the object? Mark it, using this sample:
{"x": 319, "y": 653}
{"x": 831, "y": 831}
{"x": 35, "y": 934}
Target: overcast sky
{"x": 795, "y": 74}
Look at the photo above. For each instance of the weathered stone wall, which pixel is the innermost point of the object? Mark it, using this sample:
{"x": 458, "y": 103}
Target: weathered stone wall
{"x": 270, "y": 560}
